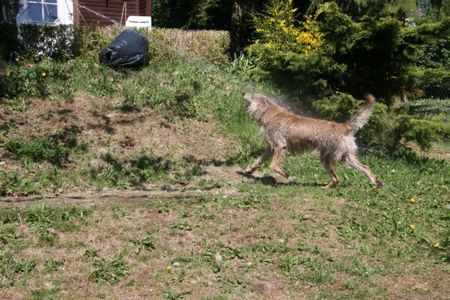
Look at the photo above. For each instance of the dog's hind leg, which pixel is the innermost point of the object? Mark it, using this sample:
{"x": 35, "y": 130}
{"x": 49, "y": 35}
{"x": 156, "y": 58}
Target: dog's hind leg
{"x": 261, "y": 159}
{"x": 330, "y": 166}
{"x": 277, "y": 161}
{"x": 352, "y": 161}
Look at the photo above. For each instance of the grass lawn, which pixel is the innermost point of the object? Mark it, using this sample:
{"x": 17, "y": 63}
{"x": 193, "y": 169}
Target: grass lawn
{"x": 287, "y": 241}
{"x": 89, "y": 129}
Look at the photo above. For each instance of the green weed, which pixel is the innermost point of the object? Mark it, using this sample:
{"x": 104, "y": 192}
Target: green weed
{"x": 10, "y": 268}
{"x": 171, "y": 295}
{"x": 133, "y": 172}
{"x": 64, "y": 219}
{"x": 241, "y": 65}
{"x": 25, "y": 81}
{"x": 145, "y": 242}
{"x": 48, "y": 294}
{"x": 52, "y": 265}
{"x": 30, "y": 182}
{"x": 90, "y": 253}
{"x": 10, "y": 234}
{"x": 110, "y": 271}
{"x": 52, "y": 148}
{"x": 47, "y": 221}
{"x": 19, "y": 105}
{"x": 11, "y": 183}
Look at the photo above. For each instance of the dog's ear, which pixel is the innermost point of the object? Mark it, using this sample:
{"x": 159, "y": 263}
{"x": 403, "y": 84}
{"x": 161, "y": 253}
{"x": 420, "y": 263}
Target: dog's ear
{"x": 247, "y": 97}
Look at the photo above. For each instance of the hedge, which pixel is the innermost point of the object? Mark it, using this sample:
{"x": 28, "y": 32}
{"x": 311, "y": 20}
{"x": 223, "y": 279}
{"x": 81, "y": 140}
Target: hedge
{"x": 62, "y": 42}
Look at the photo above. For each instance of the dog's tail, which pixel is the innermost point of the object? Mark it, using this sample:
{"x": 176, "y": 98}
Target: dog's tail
{"x": 362, "y": 116}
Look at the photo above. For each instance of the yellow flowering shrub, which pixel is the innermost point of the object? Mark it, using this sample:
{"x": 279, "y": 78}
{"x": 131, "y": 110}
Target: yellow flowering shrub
{"x": 279, "y": 29}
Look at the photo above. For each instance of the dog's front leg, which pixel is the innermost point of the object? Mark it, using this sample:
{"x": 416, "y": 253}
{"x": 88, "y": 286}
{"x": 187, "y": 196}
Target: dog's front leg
{"x": 277, "y": 161}
{"x": 262, "y": 158}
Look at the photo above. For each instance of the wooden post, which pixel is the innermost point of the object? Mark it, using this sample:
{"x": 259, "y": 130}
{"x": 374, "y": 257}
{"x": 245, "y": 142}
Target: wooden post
{"x": 76, "y": 13}
{"x": 148, "y": 7}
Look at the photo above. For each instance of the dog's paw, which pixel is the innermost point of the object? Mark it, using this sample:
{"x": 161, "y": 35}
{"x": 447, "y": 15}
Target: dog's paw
{"x": 292, "y": 178}
{"x": 284, "y": 179}
{"x": 250, "y": 171}
{"x": 331, "y": 185}
{"x": 378, "y": 184}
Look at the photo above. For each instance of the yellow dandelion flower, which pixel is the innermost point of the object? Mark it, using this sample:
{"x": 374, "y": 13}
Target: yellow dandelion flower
{"x": 437, "y": 245}
{"x": 412, "y": 227}
{"x": 412, "y": 200}
{"x": 43, "y": 74}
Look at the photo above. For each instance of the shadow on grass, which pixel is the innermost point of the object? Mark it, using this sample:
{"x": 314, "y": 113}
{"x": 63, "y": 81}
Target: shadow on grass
{"x": 55, "y": 148}
{"x": 272, "y": 181}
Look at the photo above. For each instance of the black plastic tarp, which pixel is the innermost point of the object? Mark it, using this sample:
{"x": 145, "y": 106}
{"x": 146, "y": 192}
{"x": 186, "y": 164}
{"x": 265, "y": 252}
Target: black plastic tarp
{"x": 129, "y": 49}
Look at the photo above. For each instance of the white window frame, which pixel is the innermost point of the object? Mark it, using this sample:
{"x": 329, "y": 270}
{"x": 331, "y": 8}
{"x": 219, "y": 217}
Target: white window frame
{"x": 64, "y": 11}
{"x": 44, "y": 4}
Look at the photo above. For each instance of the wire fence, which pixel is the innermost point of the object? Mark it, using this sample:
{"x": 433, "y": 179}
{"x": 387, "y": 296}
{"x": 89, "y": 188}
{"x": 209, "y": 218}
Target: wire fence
{"x": 434, "y": 101}
{"x": 441, "y": 91}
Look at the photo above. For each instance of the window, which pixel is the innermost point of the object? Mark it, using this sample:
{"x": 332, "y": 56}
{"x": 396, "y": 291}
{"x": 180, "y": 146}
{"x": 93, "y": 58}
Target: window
{"x": 42, "y": 11}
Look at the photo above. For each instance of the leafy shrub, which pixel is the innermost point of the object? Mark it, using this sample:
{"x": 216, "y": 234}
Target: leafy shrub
{"x": 241, "y": 65}
{"x": 424, "y": 132}
{"x": 331, "y": 59}
{"x": 339, "y": 106}
{"x": 39, "y": 41}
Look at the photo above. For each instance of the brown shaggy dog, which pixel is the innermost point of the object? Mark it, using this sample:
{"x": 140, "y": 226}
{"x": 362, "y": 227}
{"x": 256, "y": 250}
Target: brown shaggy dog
{"x": 285, "y": 131}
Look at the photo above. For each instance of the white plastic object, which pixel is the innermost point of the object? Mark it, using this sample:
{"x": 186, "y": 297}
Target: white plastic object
{"x": 139, "y": 22}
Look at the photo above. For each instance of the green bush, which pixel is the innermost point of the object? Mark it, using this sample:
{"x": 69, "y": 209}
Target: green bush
{"x": 38, "y": 41}
{"x": 424, "y": 132}
{"x": 332, "y": 58}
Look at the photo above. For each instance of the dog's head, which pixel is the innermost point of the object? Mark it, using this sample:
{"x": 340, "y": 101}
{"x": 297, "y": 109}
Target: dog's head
{"x": 256, "y": 102}
{"x": 250, "y": 104}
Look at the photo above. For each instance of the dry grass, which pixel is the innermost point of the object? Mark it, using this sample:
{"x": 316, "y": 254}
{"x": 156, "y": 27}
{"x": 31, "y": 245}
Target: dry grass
{"x": 210, "y": 45}
{"x": 260, "y": 246}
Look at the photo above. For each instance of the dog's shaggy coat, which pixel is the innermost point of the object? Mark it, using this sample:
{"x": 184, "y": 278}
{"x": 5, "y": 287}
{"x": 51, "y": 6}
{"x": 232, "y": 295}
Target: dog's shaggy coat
{"x": 285, "y": 131}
